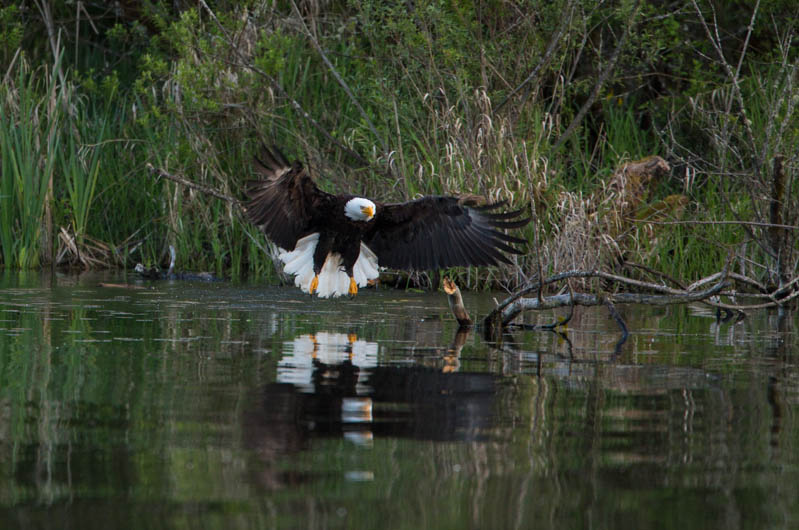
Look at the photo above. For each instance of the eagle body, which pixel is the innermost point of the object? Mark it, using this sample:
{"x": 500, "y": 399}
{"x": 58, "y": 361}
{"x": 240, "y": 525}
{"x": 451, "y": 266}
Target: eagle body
{"x": 333, "y": 244}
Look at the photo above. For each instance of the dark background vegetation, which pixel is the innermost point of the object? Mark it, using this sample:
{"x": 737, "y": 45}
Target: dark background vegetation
{"x": 542, "y": 101}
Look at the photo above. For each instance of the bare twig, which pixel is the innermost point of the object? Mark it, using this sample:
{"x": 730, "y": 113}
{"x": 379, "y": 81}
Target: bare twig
{"x": 715, "y": 41}
{"x": 732, "y": 275}
{"x": 245, "y": 63}
{"x": 600, "y": 82}
{"x": 565, "y": 21}
{"x": 338, "y": 77}
{"x": 654, "y": 272}
{"x": 781, "y": 302}
{"x": 189, "y": 184}
{"x": 741, "y": 223}
{"x": 788, "y": 71}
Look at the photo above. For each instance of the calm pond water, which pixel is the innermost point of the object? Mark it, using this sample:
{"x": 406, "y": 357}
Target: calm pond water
{"x": 224, "y": 405}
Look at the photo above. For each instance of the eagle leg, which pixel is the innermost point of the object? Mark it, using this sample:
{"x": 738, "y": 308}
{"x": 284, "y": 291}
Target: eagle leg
{"x": 353, "y": 287}
{"x": 314, "y": 284}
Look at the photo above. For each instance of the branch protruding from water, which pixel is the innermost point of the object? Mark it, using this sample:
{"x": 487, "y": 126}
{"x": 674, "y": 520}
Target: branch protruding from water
{"x": 456, "y": 303}
{"x": 504, "y": 314}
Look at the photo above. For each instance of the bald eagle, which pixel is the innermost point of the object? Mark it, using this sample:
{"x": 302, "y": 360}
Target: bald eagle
{"x": 334, "y": 244}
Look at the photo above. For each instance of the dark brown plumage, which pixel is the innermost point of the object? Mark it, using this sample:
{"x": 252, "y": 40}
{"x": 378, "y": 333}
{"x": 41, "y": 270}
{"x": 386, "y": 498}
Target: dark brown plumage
{"x": 428, "y": 233}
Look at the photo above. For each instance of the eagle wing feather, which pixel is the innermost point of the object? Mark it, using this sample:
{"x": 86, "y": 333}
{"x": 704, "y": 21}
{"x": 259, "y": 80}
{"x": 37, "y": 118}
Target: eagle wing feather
{"x": 438, "y": 232}
{"x": 283, "y": 203}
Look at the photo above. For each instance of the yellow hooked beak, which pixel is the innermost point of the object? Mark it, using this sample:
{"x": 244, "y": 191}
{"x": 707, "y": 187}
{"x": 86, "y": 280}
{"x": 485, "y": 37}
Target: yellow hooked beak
{"x": 368, "y": 211}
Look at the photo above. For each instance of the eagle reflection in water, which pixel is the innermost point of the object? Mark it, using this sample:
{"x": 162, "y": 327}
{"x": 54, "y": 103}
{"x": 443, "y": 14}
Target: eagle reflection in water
{"x": 331, "y": 385}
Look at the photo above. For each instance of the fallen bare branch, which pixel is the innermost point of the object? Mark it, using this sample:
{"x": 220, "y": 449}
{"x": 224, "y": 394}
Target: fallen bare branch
{"x": 512, "y": 310}
{"x": 590, "y": 274}
{"x": 552, "y": 326}
{"x": 733, "y": 276}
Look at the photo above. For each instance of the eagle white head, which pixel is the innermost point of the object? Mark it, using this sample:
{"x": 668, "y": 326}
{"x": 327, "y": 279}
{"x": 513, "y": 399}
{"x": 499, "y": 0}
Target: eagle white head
{"x": 360, "y": 209}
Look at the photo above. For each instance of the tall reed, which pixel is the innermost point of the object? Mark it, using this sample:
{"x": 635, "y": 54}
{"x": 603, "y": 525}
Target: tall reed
{"x": 29, "y": 120}
{"x": 79, "y": 163}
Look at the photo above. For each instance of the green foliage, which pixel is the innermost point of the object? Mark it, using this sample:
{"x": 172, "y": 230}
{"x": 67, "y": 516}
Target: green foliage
{"x": 195, "y": 92}
{"x": 273, "y": 52}
{"x": 11, "y": 32}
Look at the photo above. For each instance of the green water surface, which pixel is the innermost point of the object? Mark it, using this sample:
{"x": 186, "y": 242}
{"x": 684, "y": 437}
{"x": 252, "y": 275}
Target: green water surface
{"x": 232, "y": 405}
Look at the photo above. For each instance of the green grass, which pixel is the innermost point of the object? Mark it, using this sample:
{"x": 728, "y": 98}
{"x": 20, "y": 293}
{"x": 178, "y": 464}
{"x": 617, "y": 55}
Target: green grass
{"x": 31, "y": 113}
{"x": 195, "y": 109}
{"x": 80, "y": 162}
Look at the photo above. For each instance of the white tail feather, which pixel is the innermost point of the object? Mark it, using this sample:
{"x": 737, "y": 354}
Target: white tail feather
{"x": 333, "y": 280}
{"x": 300, "y": 261}
{"x": 365, "y": 268}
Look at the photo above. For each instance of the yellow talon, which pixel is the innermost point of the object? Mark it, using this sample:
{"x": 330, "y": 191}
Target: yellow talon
{"x": 314, "y": 285}
{"x": 353, "y": 287}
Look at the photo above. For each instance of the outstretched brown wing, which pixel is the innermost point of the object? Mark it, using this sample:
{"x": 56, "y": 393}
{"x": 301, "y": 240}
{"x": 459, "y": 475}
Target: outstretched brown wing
{"x": 284, "y": 203}
{"x": 439, "y": 232}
